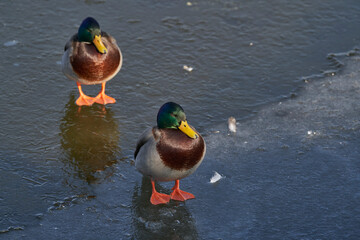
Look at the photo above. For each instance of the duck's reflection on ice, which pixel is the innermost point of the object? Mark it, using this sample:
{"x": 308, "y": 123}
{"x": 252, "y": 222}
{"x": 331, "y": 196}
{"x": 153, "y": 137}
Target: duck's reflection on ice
{"x": 90, "y": 141}
{"x": 170, "y": 221}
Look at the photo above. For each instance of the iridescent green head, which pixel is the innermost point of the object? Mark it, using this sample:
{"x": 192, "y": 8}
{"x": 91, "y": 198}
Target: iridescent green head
{"x": 172, "y": 115}
{"x": 89, "y": 31}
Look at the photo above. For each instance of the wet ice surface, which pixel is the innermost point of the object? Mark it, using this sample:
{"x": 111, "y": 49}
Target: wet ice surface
{"x": 285, "y": 183}
{"x": 281, "y": 182}
{"x": 291, "y": 170}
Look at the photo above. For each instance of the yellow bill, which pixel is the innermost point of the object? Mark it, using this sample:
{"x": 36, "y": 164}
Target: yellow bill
{"x": 99, "y": 44}
{"x": 185, "y": 128}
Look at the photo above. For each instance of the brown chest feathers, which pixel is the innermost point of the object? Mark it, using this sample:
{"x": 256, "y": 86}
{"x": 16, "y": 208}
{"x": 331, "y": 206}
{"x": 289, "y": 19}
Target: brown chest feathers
{"x": 178, "y": 151}
{"x": 93, "y": 66}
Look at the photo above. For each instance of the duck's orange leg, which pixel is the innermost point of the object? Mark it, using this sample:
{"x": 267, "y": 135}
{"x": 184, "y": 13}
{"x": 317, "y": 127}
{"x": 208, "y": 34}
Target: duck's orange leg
{"x": 83, "y": 99}
{"x": 102, "y": 98}
{"x": 158, "y": 198}
{"x": 180, "y": 195}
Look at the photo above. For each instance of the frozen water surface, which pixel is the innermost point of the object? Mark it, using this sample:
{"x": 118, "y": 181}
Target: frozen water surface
{"x": 287, "y": 72}
{"x": 289, "y": 184}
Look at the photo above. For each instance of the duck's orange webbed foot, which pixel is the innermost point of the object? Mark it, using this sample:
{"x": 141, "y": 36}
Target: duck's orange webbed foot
{"x": 83, "y": 100}
{"x": 158, "y": 198}
{"x": 102, "y": 98}
{"x": 180, "y": 195}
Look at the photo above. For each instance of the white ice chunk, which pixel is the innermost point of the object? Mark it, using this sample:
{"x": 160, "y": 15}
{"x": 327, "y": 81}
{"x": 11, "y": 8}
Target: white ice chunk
{"x": 232, "y": 124}
{"x": 188, "y": 68}
{"x": 216, "y": 177}
{"x": 11, "y": 43}
{"x": 312, "y": 133}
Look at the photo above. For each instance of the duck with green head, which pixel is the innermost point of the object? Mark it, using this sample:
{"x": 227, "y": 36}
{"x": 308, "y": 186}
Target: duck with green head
{"x": 169, "y": 152}
{"x": 91, "y": 57}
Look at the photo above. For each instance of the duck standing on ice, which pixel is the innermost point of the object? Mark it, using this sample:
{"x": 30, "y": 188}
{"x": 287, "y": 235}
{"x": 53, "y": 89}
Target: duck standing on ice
{"x": 170, "y": 151}
{"x": 91, "y": 57}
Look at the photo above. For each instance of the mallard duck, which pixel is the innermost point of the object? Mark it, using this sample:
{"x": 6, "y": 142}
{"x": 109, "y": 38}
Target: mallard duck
{"x": 91, "y": 57}
{"x": 169, "y": 152}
